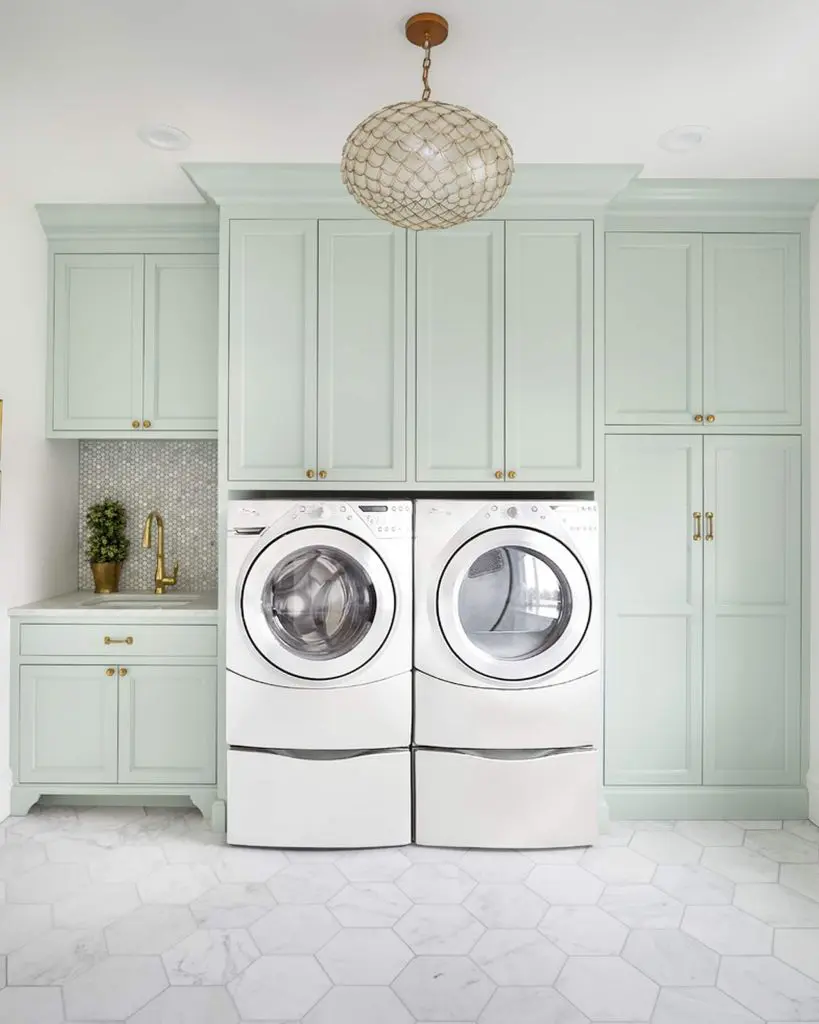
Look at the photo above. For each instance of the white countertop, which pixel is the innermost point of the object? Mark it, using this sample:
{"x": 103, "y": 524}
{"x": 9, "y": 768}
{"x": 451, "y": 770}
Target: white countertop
{"x": 132, "y": 607}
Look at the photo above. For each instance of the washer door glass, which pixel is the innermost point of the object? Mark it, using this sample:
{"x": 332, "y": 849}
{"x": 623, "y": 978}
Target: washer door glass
{"x": 514, "y": 604}
{"x": 317, "y": 603}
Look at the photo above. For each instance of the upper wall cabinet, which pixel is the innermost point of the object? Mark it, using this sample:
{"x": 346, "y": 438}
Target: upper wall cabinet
{"x": 702, "y": 329}
{"x": 505, "y": 352}
{"x": 134, "y": 345}
{"x": 317, "y": 351}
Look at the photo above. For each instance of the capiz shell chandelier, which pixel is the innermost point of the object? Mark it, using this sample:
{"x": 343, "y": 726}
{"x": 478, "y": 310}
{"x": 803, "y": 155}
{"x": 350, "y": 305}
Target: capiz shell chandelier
{"x": 425, "y": 164}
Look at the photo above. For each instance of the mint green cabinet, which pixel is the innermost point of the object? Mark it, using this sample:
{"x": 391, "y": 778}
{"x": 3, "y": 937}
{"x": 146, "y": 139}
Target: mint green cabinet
{"x": 703, "y": 610}
{"x": 67, "y": 729}
{"x": 181, "y": 342}
{"x": 653, "y": 344}
{"x": 167, "y": 724}
{"x": 504, "y": 328}
{"x": 362, "y": 351}
{"x": 98, "y": 343}
{"x": 460, "y": 353}
{"x": 752, "y": 311}
{"x": 549, "y": 350}
{"x": 703, "y": 329}
{"x": 653, "y": 610}
{"x": 134, "y": 345}
{"x": 752, "y": 611}
{"x": 317, "y": 351}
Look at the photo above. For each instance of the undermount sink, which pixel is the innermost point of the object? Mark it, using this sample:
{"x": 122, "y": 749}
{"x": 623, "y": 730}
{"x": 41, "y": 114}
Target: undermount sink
{"x": 138, "y": 601}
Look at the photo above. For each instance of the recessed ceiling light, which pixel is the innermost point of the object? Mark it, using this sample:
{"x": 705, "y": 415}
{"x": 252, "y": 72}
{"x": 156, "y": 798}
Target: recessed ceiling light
{"x": 683, "y": 138}
{"x": 163, "y": 136}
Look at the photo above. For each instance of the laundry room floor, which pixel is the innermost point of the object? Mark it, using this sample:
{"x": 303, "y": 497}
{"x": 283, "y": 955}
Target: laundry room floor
{"x": 113, "y": 915}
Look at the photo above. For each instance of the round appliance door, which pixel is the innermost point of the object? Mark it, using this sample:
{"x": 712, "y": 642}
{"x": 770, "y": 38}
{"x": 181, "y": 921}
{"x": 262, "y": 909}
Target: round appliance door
{"x": 513, "y": 604}
{"x": 317, "y": 603}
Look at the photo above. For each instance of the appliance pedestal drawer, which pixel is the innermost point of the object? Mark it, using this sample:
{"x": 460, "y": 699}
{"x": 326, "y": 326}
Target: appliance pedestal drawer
{"x": 332, "y": 800}
{"x": 506, "y": 799}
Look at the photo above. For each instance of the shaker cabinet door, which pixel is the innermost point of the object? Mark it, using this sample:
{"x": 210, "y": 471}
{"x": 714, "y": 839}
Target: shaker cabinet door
{"x": 362, "y": 351}
{"x": 460, "y": 353}
{"x": 272, "y": 351}
{"x": 752, "y": 311}
{"x": 167, "y": 724}
{"x": 654, "y": 580}
{"x": 752, "y": 611}
{"x": 97, "y": 343}
{"x": 181, "y": 342}
{"x": 68, "y": 724}
{"x": 653, "y": 344}
{"x": 549, "y": 350}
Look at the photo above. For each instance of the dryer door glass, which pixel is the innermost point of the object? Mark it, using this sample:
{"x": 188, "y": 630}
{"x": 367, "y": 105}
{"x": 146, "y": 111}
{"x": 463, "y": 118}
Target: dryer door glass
{"x": 514, "y": 603}
{"x": 319, "y": 602}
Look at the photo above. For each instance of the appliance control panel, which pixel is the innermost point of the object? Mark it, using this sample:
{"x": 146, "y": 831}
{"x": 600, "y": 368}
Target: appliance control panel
{"x": 387, "y": 518}
{"x": 575, "y": 516}
{"x": 384, "y": 518}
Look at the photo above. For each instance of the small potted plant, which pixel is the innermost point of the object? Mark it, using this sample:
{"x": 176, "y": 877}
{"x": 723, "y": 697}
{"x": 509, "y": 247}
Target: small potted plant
{"x": 106, "y": 545}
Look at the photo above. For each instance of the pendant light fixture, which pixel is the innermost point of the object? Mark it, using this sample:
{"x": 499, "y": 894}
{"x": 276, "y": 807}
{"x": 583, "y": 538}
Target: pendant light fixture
{"x": 426, "y": 164}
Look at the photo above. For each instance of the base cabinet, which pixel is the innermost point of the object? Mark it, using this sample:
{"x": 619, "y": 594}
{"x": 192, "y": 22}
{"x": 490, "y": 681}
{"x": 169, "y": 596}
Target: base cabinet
{"x": 703, "y": 610}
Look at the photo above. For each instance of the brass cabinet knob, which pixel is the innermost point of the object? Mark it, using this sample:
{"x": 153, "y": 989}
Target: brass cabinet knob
{"x": 511, "y": 474}
{"x": 123, "y": 671}
{"x": 698, "y": 418}
{"x": 499, "y": 474}
{"x": 322, "y": 474}
{"x": 310, "y": 474}
{"x": 710, "y": 419}
{"x": 135, "y": 424}
{"x": 146, "y": 424}
{"x": 109, "y": 671}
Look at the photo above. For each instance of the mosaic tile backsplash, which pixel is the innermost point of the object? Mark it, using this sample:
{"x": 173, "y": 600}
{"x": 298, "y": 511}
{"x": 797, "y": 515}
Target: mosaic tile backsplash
{"x": 179, "y": 480}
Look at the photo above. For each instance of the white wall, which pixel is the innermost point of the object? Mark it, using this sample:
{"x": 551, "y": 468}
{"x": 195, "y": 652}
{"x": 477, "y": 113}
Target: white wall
{"x": 38, "y": 495}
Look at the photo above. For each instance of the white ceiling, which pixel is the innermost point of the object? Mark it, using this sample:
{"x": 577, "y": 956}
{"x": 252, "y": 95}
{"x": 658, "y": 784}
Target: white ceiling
{"x": 570, "y": 81}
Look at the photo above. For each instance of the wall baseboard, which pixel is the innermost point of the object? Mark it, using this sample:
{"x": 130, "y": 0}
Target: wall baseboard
{"x": 715, "y": 802}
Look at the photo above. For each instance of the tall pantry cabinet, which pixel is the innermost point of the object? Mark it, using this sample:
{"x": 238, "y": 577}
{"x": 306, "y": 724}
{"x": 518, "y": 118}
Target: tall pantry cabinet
{"x": 703, "y": 521}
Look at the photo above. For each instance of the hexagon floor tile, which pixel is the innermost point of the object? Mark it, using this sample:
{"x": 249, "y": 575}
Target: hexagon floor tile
{"x": 108, "y": 915}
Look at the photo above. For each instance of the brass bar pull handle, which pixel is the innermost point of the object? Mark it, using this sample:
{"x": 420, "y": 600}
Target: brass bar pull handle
{"x": 113, "y": 640}
{"x": 709, "y": 524}
{"x": 697, "y": 525}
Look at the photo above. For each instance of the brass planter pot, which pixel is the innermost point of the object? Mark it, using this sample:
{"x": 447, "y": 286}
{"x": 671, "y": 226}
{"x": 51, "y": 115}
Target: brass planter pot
{"x": 106, "y": 577}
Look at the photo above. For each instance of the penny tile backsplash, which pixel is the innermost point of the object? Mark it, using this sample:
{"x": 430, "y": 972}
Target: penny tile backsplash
{"x": 179, "y": 480}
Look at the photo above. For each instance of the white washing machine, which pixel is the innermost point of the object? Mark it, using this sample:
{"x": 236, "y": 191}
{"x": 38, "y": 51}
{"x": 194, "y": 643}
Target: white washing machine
{"x": 319, "y": 672}
{"x": 507, "y": 673}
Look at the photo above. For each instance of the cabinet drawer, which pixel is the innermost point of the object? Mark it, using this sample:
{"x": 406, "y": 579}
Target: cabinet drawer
{"x": 119, "y": 641}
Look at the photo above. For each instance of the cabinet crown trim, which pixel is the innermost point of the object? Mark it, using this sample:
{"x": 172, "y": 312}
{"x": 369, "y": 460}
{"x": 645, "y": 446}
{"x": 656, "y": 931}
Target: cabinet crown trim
{"x": 84, "y": 221}
{"x": 574, "y": 184}
{"x": 794, "y": 197}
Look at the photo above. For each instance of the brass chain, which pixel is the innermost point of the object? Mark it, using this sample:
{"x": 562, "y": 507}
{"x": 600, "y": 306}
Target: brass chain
{"x": 425, "y": 69}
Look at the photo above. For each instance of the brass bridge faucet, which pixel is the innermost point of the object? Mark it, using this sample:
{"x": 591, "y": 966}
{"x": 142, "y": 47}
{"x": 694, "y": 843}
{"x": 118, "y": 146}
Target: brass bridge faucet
{"x": 161, "y": 581}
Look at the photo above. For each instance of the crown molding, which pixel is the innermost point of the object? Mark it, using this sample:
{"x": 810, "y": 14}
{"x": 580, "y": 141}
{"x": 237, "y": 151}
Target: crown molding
{"x": 775, "y": 197}
{"x": 87, "y": 221}
{"x": 548, "y": 184}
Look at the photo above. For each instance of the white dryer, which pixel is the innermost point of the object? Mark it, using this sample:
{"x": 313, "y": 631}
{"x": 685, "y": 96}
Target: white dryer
{"x": 507, "y": 673}
{"x": 319, "y": 680}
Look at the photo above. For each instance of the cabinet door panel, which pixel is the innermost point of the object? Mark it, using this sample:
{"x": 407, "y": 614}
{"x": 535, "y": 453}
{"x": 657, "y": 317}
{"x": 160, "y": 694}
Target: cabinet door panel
{"x": 460, "y": 360}
{"x": 549, "y": 350}
{"x": 181, "y": 342}
{"x": 653, "y": 340}
{"x": 752, "y": 680}
{"x": 272, "y": 401}
{"x": 653, "y": 610}
{"x": 68, "y": 724}
{"x": 98, "y": 345}
{"x": 752, "y": 329}
{"x": 362, "y": 350}
{"x": 167, "y": 725}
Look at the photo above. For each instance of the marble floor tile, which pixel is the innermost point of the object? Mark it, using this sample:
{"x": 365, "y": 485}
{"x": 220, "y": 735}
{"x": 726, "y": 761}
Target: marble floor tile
{"x": 505, "y": 905}
{"x": 443, "y": 988}
{"x": 583, "y": 931}
{"x": 443, "y": 929}
{"x": 629, "y": 931}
